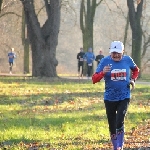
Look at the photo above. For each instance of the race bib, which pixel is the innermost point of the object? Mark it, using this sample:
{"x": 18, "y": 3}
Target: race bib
{"x": 90, "y": 64}
{"x": 81, "y": 59}
{"x": 118, "y": 74}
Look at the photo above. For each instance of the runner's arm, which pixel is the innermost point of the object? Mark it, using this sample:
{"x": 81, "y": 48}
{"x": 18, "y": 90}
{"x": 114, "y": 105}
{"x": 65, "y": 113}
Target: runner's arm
{"x": 96, "y": 77}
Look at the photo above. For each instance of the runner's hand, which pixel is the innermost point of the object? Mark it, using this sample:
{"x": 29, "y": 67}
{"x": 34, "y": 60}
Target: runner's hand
{"x": 106, "y": 69}
{"x": 132, "y": 84}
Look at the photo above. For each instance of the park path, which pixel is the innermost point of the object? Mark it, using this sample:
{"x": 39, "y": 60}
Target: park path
{"x": 85, "y": 78}
{"x": 66, "y": 77}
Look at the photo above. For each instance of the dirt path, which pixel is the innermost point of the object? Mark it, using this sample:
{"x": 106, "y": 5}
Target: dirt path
{"x": 86, "y": 79}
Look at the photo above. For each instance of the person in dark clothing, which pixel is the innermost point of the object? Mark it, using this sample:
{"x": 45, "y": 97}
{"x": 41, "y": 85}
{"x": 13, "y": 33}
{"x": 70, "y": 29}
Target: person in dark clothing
{"x": 80, "y": 62}
{"x": 99, "y": 57}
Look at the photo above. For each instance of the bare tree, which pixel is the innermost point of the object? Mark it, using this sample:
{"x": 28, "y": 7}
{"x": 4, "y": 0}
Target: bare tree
{"x": 135, "y": 14}
{"x": 87, "y": 14}
{"x": 43, "y": 39}
{"x": 26, "y": 44}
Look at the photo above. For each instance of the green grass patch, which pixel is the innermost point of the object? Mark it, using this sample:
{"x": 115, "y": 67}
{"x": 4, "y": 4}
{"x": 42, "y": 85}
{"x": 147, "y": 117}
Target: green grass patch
{"x": 60, "y": 113}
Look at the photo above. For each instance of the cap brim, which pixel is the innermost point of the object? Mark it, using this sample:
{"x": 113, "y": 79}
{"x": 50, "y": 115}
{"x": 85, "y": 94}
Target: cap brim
{"x": 116, "y": 50}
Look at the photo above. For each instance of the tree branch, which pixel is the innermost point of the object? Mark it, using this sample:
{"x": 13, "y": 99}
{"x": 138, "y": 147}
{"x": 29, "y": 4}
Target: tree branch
{"x": 40, "y": 9}
{"x": 47, "y": 5}
{"x": 1, "y": 2}
{"x": 82, "y": 11}
{"x": 119, "y": 8}
{"x": 12, "y": 13}
{"x": 32, "y": 21}
{"x": 99, "y": 3}
{"x": 132, "y": 14}
{"x": 107, "y": 5}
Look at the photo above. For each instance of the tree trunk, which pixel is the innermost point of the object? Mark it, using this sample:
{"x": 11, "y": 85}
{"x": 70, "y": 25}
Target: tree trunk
{"x": 126, "y": 31}
{"x": 43, "y": 40}
{"x": 135, "y": 23}
{"x": 26, "y": 56}
{"x": 86, "y": 24}
{"x": 26, "y": 44}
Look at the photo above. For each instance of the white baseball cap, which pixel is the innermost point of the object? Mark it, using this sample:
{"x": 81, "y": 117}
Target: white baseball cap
{"x": 116, "y": 46}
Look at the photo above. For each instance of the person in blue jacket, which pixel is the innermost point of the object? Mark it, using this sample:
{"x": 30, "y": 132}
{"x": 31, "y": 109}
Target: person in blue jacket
{"x": 115, "y": 69}
{"x": 89, "y": 57}
{"x": 11, "y": 57}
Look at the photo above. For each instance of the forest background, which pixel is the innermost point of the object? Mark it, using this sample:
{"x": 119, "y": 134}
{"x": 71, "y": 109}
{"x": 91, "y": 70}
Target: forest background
{"x": 109, "y": 24}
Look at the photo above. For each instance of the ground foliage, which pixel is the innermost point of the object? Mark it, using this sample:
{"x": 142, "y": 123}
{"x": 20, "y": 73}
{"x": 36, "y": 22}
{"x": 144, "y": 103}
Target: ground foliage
{"x": 136, "y": 139}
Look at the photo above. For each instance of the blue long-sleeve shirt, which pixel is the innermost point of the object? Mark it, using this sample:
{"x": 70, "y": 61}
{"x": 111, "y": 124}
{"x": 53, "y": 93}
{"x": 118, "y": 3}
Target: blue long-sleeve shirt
{"x": 11, "y": 57}
{"x": 117, "y": 81}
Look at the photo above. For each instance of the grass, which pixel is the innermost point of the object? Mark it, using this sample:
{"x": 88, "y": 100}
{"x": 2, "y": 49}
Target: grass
{"x": 60, "y": 113}
{"x": 145, "y": 77}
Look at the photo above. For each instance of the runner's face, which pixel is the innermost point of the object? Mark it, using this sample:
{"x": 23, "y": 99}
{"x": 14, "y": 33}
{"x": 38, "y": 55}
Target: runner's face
{"x": 116, "y": 56}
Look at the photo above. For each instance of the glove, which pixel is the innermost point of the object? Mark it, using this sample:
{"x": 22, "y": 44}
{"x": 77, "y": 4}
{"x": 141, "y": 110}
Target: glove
{"x": 132, "y": 82}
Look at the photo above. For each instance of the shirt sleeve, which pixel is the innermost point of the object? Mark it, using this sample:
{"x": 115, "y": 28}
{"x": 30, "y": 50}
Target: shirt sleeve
{"x": 135, "y": 73}
{"x": 96, "y": 58}
{"x": 78, "y": 56}
{"x": 100, "y": 66}
{"x": 93, "y": 57}
{"x": 134, "y": 69}
{"x": 84, "y": 56}
{"x": 98, "y": 75}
